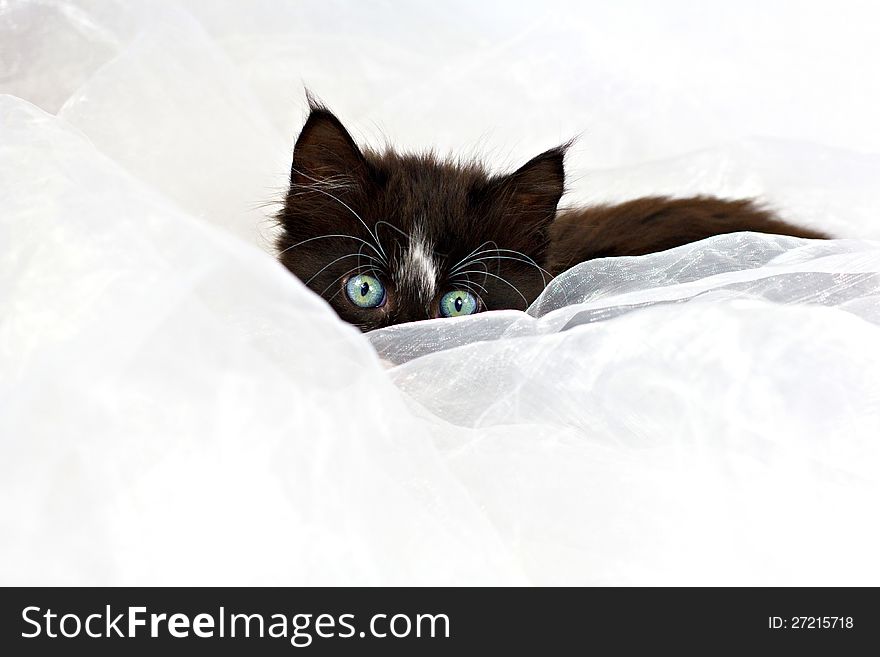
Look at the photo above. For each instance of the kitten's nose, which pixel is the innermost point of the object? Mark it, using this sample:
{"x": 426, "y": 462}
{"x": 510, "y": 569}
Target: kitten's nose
{"x": 411, "y": 314}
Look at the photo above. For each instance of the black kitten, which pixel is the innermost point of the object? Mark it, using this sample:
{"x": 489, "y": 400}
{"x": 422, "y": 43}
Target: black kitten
{"x": 389, "y": 238}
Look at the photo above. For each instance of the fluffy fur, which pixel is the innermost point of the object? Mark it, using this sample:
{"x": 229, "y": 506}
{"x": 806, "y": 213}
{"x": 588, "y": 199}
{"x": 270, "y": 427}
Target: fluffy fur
{"x": 655, "y": 223}
{"x": 425, "y": 227}
{"x": 421, "y": 225}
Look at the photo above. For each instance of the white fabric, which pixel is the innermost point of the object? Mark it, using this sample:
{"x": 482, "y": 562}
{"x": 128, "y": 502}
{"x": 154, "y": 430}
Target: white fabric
{"x": 176, "y": 408}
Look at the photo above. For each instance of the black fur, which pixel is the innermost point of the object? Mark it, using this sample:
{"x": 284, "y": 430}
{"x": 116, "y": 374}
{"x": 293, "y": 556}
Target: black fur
{"x": 375, "y": 203}
{"x": 351, "y": 211}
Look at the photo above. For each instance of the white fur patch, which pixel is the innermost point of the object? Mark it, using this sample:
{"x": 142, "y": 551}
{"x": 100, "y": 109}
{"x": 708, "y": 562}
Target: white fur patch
{"x": 417, "y": 269}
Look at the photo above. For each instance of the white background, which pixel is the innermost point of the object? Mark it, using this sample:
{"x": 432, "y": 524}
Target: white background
{"x": 176, "y": 408}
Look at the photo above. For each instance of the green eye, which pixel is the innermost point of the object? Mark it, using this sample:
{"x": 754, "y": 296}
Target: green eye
{"x": 457, "y": 303}
{"x": 365, "y": 291}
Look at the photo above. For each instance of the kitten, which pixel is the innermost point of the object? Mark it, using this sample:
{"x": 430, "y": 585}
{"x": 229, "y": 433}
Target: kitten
{"x": 388, "y": 238}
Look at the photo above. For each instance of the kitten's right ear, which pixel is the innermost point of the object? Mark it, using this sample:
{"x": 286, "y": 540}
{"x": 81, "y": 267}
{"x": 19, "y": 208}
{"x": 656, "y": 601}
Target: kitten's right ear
{"x": 529, "y": 196}
{"x": 324, "y": 151}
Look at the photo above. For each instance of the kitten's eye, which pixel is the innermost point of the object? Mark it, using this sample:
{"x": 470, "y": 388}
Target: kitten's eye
{"x": 457, "y": 303}
{"x": 365, "y": 291}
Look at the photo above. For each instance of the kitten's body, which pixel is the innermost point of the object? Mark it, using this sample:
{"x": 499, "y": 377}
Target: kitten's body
{"x": 387, "y": 238}
{"x": 655, "y": 223}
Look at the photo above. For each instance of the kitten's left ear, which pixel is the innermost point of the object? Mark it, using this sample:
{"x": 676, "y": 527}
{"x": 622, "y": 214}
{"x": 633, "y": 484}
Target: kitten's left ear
{"x": 324, "y": 150}
{"x": 532, "y": 192}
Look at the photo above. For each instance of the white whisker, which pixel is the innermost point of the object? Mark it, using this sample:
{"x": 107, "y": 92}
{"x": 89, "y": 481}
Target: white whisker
{"x": 347, "y": 207}
{"x": 527, "y": 260}
{"x": 530, "y": 262}
{"x": 350, "y": 271}
{"x": 503, "y": 280}
{"x": 330, "y": 264}
{"x": 383, "y": 222}
{"x": 459, "y": 263}
{"x": 468, "y": 282}
{"x": 323, "y": 237}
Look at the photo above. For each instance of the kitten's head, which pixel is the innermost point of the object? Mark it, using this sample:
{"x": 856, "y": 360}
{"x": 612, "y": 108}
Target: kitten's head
{"x": 388, "y": 238}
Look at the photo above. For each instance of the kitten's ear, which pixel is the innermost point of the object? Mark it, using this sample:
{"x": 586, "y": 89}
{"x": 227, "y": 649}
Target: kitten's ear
{"x": 540, "y": 182}
{"x": 532, "y": 192}
{"x": 325, "y": 151}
